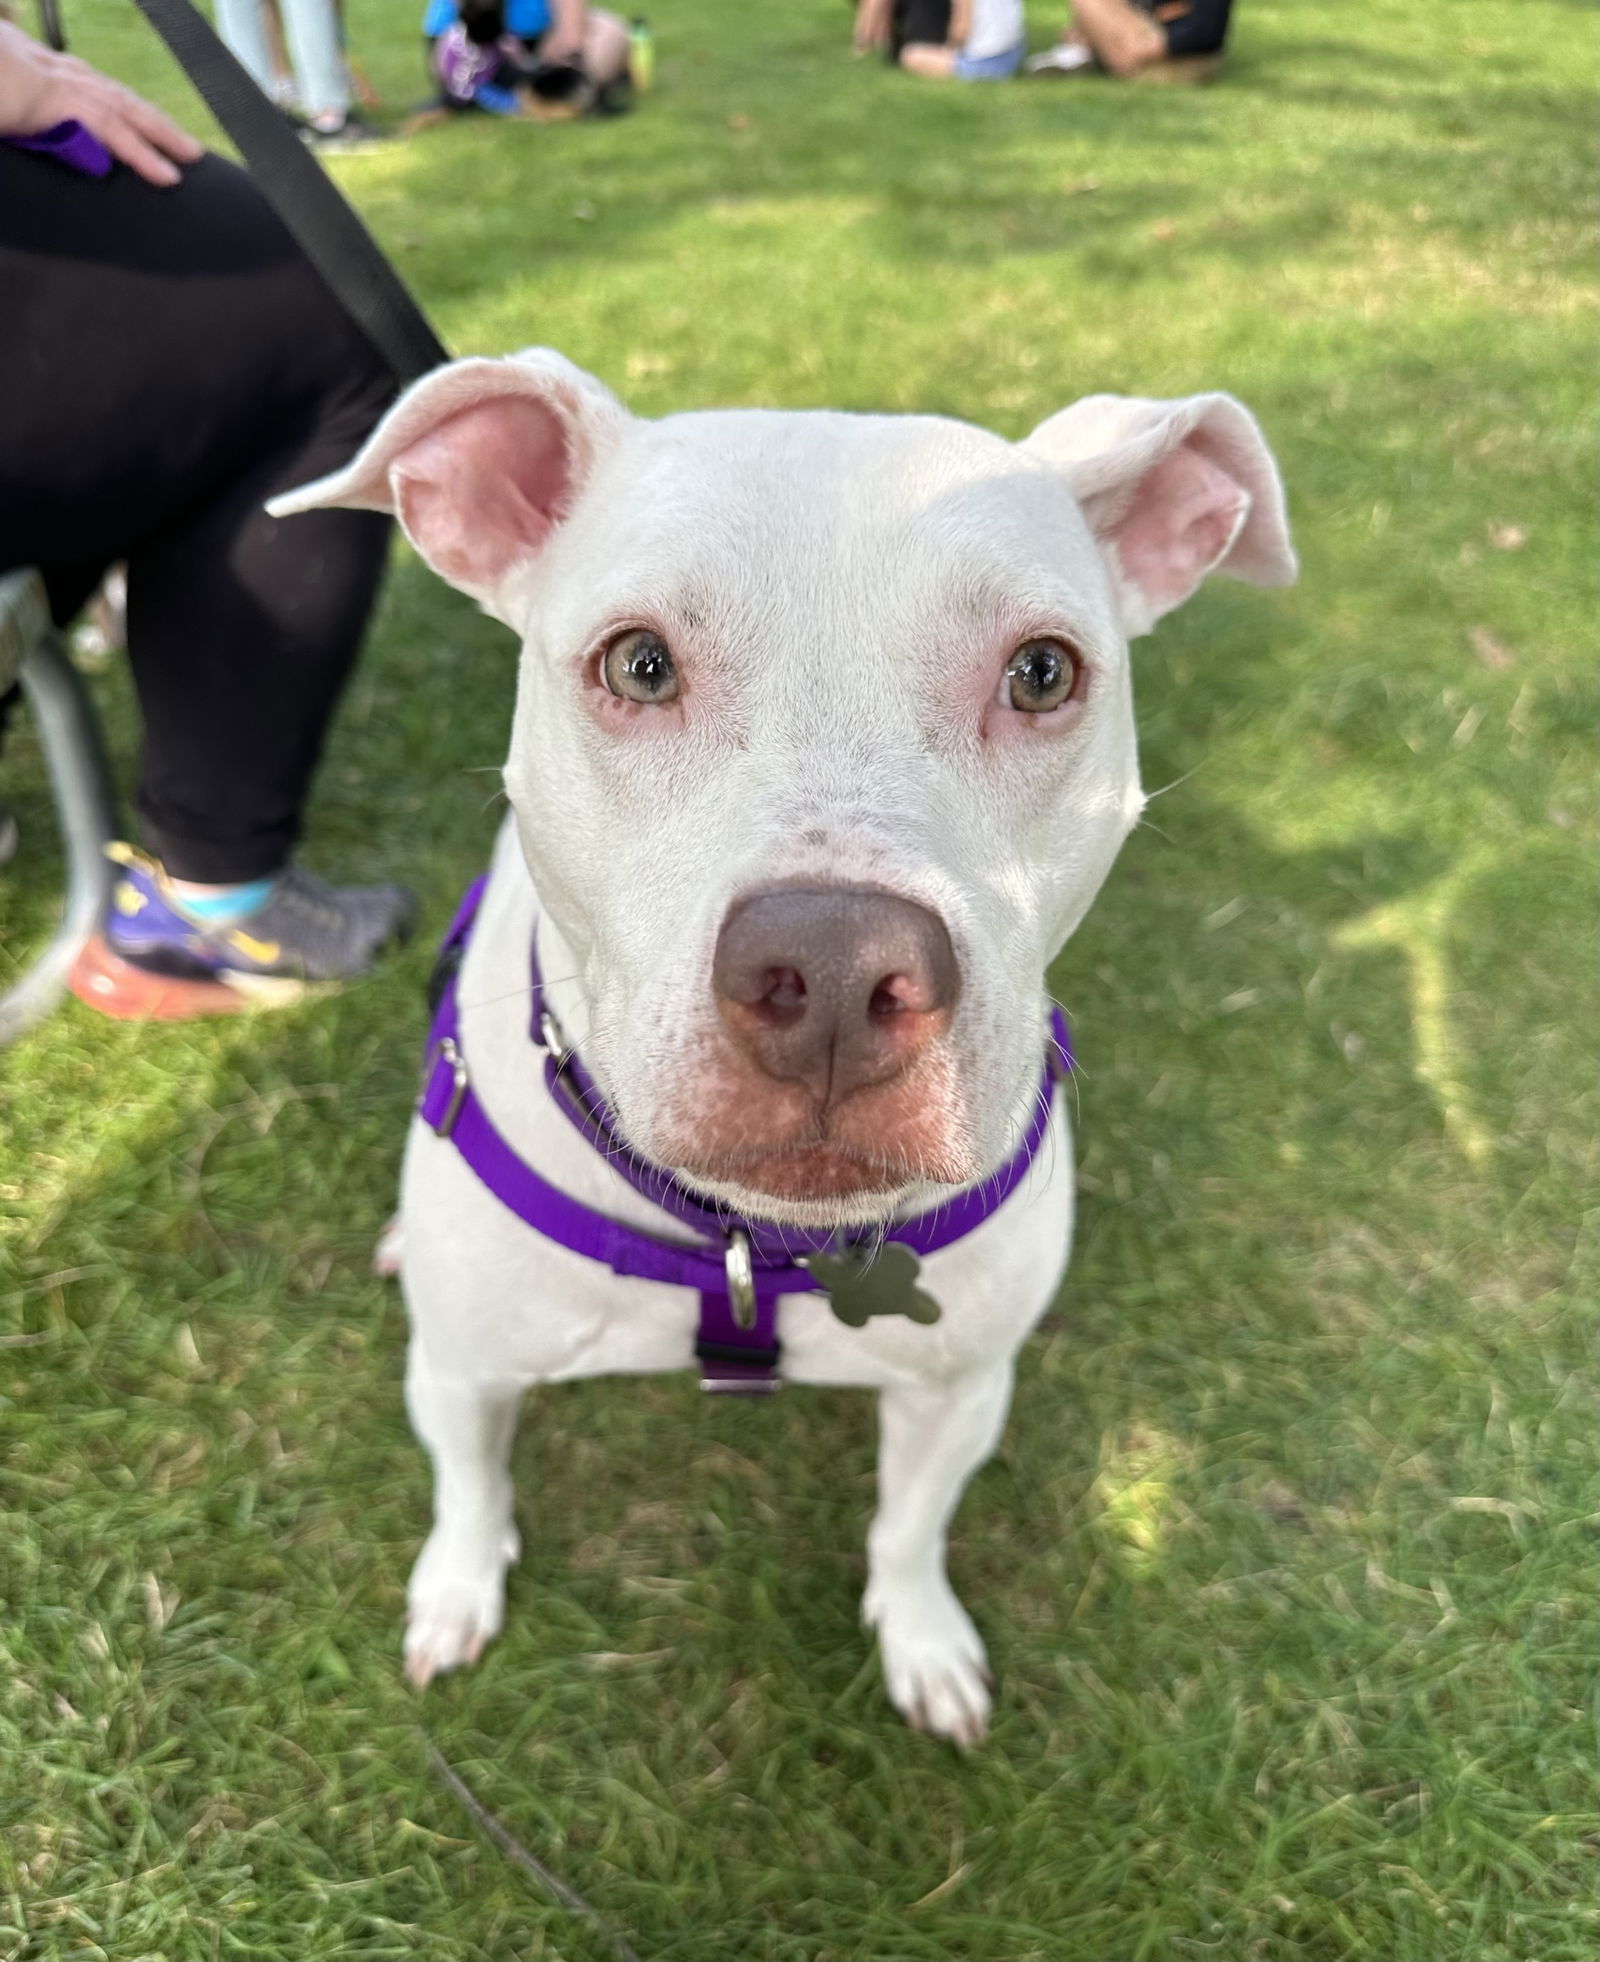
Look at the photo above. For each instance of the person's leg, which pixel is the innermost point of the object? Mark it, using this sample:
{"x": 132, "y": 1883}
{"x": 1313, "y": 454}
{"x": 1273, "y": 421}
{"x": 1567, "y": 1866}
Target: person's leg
{"x": 174, "y": 359}
{"x": 933, "y": 64}
{"x": 242, "y": 623}
{"x": 316, "y": 48}
{"x": 1123, "y": 37}
{"x": 605, "y": 47}
{"x": 243, "y": 27}
{"x": 284, "y": 91}
{"x": 321, "y": 77}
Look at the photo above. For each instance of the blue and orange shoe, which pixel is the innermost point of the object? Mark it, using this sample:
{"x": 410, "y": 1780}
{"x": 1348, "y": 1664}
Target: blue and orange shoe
{"x": 158, "y": 962}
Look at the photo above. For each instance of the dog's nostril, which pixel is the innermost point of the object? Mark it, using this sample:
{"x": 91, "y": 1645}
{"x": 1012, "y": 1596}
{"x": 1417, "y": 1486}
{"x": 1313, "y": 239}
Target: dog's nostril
{"x": 786, "y": 988}
{"x": 780, "y": 999}
{"x": 906, "y": 994}
{"x": 887, "y": 997}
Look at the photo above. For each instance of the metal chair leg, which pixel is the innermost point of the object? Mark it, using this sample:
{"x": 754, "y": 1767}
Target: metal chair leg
{"x": 80, "y": 780}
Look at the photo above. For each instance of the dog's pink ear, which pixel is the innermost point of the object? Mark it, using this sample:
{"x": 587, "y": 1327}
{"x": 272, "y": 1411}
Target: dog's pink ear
{"x": 480, "y": 462}
{"x": 1173, "y": 491}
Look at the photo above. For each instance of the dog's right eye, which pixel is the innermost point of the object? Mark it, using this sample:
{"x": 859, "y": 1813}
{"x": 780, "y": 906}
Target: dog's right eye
{"x": 638, "y": 666}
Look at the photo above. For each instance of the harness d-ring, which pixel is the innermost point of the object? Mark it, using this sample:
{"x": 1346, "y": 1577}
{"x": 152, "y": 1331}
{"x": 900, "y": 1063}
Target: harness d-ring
{"x": 449, "y": 1053}
{"x": 551, "y": 1038}
{"x": 741, "y": 1273}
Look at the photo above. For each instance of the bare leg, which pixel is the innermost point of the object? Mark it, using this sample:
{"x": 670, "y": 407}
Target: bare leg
{"x": 930, "y": 1444}
{"x": 1123, "y": 38}
{"x": 923, "y": 58}
{"x": 605, "y": 47}
{"x": 457, "y": 1593}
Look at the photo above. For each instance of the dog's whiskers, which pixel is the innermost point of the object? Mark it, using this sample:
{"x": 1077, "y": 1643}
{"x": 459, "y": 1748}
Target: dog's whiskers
{"x": 1177, "y": 783}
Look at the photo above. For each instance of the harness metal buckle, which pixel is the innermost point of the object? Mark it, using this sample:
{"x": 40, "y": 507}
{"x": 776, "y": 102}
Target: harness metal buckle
{"x": 741, "y": 1274}
{"x": 551, "y": 1039}
{"x": 449, "y": 1053}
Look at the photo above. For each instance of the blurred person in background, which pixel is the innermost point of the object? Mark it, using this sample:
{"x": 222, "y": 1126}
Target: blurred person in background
{"x": 1170, "y": 39}
{"x": 885, "y": 26}
{"x": 985, "y": 42}
{"x": 321, "y": 88}
{"x": 525, "y": 57}
{"x": 966, "y": 41}
{"x": 168, "y": 361}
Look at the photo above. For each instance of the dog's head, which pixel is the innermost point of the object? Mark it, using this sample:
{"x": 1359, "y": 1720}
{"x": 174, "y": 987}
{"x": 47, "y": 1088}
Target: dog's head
{"x": 824, "y": 736}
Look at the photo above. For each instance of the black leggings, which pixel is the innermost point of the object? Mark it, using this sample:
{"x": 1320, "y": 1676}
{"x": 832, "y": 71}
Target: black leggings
{"x": 169, "y": 360}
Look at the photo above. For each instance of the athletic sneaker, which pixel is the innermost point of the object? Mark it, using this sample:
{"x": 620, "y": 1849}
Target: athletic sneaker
{"x": 303, "y": 933}
{"x": 1065, "y": 58}
{"x": 347, "y": 137}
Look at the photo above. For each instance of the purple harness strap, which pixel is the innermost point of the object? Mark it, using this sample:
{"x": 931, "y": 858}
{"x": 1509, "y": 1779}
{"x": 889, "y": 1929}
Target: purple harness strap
{"x": 69, "y": 144}
{"x": 738, "y": 1266}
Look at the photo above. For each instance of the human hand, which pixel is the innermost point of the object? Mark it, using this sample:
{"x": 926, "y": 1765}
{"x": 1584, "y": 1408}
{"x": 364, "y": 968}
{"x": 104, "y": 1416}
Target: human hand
{"x": 871, "y": 28}
{"x": 40, "y": 88}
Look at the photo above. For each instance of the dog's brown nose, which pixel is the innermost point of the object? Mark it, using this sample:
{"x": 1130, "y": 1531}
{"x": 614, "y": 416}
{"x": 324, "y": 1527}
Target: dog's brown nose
{"x": 834, "y": 988}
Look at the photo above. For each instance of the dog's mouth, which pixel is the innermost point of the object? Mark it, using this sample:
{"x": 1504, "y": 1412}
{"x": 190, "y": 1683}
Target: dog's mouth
{"x": 767, "y": 1148}
{"x": 824, "y": 1174}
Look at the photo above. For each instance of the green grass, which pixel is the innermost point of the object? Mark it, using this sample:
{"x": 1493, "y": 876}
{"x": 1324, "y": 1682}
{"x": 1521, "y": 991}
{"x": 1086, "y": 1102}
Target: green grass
{"x": 1287, "y": 1561}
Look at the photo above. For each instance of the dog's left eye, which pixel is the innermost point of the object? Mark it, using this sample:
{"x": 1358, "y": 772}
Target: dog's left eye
{"x": 638, "y": 666}
{"x": 1040, "y": 676}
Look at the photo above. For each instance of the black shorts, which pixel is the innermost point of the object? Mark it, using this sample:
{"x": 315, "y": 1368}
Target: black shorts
{"x": 918, "y": 20}
{"x": 1192, "y": 27}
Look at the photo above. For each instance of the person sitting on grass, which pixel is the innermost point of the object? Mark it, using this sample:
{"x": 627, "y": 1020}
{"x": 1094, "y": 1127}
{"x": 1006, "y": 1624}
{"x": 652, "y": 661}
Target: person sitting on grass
{"x": 525, "y": 57}
{"x": 985, "y": 41}
{"x": 1170, "y": 39}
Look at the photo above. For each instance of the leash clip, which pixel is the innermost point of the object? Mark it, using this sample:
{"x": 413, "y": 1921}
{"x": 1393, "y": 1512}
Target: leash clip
{"x": 741, "y": 1275}
{"x": 551, "y": 1040}
{"x": 447, "y": 1052}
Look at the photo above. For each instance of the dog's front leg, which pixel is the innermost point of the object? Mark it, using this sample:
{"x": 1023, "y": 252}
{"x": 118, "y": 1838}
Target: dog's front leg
{"x": 931, "y": 1442}
{"x": 457, "y": 1593}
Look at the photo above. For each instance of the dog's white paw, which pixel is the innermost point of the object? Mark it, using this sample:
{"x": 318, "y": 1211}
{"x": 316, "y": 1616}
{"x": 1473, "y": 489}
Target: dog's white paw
{"x": 386, "y": 1254}
{"x": 455, "y": 1603}
{"x": 933, "y": 1660}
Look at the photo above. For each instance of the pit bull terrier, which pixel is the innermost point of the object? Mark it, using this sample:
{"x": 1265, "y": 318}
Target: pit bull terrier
{"x": 823, "y": 745}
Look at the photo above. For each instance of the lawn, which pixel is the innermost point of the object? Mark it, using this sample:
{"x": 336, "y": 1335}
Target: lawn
{"x": 1287, "y": 1561}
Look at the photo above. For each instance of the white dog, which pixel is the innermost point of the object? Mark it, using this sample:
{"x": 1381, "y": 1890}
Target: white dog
{"x": 823, "y": 745}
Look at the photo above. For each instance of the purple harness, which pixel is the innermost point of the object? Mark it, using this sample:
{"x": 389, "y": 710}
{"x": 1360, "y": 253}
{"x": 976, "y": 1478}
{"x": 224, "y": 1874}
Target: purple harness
{"x": 69, "y": 144}
{"x": 741, "y": 1266}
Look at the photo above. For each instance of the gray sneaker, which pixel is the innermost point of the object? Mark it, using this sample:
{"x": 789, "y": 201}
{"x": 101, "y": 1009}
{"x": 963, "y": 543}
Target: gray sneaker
{"x": 306, "y": 932}
{"x": 349, "y": 135}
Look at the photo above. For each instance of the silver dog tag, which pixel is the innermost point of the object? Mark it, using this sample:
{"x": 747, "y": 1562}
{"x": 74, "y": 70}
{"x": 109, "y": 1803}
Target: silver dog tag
{"x": 866, "y": 1281}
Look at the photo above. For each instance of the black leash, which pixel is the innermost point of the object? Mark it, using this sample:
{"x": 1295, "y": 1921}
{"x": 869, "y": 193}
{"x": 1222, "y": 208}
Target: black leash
{"x": 327, "y": 230}
{"x": 50, "y": 29}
